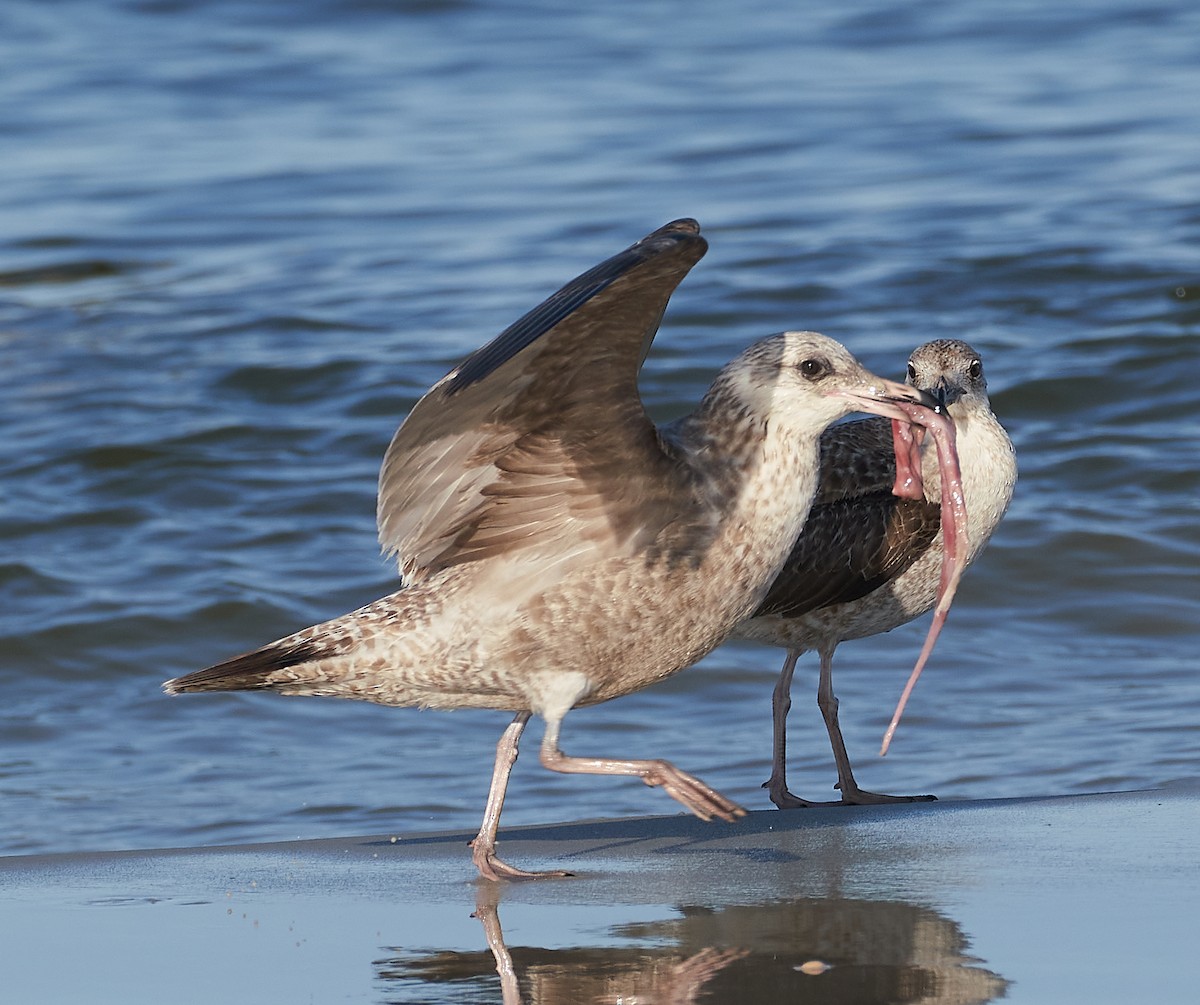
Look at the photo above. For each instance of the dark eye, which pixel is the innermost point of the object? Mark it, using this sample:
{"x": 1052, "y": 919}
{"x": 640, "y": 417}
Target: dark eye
{"x": 975, "y": 370}
{"x": 912, "y": 373}
{"x": 814, "y": 369}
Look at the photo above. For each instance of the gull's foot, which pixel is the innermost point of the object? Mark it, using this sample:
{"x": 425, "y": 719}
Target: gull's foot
{"x": 852, "y": 796}
{"x": 492, "y": 867}
{"x": 782, "y": 798}
{"x": 855, "y": 796}
{"x": 777, "y": 789}
{"x": 686, "y": 980}
{"x": 703, "y": 800}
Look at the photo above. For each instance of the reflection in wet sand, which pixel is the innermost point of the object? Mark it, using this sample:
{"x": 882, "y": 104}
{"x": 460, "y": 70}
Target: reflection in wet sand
{"x": 487, "y": 911}
{"x": 828, "y": 950}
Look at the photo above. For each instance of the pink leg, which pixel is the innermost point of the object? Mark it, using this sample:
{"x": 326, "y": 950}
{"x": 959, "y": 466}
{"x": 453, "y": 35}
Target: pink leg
{"x": 483, "y": 848}
{"x": 486, "y": 910}
{"x": 702, "y": 800}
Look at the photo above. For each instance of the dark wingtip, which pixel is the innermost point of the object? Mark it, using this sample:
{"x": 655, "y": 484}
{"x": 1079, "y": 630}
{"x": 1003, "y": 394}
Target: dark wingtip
{"x": 685, "y": 230}
{"x": 246, "y": 672}
{"x": 681, "y": 235}
{"x": 684, "y": 225}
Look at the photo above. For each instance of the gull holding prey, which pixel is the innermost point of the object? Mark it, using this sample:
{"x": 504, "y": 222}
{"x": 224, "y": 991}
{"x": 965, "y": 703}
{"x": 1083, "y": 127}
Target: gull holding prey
{"x": 875, "y": 552}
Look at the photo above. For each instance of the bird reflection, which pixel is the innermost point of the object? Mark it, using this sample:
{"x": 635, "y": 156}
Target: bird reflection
{"x": 829, "y": 950}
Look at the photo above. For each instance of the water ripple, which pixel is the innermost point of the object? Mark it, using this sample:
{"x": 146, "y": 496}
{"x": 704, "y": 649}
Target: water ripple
{"x": 239, "y": 243}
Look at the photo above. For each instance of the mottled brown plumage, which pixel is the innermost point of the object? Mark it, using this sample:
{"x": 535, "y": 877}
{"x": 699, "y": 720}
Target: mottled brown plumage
{"x": 867, "y": 561}
{"x": 558, "y": 549}
{"x": 859, "y": 534}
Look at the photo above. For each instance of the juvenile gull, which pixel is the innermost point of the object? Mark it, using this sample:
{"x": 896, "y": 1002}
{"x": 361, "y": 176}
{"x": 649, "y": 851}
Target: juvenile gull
{"x": 556, "y": 548}
{"x": 867, "y": 561}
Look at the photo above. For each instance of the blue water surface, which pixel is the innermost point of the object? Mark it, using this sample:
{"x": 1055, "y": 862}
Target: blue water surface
{"x": 238, "y": 240}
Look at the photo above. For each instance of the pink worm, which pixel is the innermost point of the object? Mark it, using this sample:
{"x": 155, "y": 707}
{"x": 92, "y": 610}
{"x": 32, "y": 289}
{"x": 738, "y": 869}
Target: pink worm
{"x": 909, "y": 484}
{"x": 954, "y": 522}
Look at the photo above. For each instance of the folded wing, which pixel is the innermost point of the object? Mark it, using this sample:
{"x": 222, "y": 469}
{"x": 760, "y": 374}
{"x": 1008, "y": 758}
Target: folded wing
{"x": 858, "y": 535}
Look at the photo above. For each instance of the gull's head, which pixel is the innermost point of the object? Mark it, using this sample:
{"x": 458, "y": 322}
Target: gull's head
{"x": 950, "y": 370}
{"x": 807, "y": 381}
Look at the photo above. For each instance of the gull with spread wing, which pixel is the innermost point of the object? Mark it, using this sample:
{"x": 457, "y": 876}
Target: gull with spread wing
{"x": 558, "y": 549}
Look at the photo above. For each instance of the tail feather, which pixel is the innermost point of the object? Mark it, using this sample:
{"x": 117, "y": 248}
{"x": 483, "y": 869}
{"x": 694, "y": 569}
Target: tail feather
{"x": 249, "y": 671}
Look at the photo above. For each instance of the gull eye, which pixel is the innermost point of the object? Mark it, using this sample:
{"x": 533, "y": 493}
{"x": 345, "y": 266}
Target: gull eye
{"x": 912, "y": 374}
{"x": 814, "y": 369}
{"x": 975, "y": 370}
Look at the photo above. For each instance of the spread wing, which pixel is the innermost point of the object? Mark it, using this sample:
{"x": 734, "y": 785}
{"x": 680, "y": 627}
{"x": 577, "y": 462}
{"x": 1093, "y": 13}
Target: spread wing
{"x": 858, "y": 535}
{"x": 539, "y": 440}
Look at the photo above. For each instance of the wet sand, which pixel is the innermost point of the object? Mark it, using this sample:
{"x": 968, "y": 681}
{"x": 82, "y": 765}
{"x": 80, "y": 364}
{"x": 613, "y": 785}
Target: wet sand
{"x": 1070, "y": 899}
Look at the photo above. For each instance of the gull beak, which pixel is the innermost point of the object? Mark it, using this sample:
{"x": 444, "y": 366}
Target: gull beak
{"x": 883, "y": 397}
{"x": 937, "y": 401}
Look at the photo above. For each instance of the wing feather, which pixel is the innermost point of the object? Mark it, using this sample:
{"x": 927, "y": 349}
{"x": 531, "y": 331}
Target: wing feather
{"x": 858, "y": 535}
{"x": 857, "y": 458}
{"x": 540, "y": 437}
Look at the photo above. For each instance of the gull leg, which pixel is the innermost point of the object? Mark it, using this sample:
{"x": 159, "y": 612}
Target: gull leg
{"x": 828, "y": 704}
{"x": 486, "y": 910}
{"x": 781, "y": 704}
{"x": 483, "y": 848}
{"x": 702, "y": 800}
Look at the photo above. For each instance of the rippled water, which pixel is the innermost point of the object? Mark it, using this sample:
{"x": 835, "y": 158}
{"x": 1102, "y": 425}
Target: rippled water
{"x": 237, "y": 241}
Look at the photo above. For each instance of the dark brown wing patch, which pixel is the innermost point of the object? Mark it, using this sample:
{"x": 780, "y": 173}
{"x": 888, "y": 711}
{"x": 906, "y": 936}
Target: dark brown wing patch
{"x": 857, "y": 458}
{"x": 850, "y": 548}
